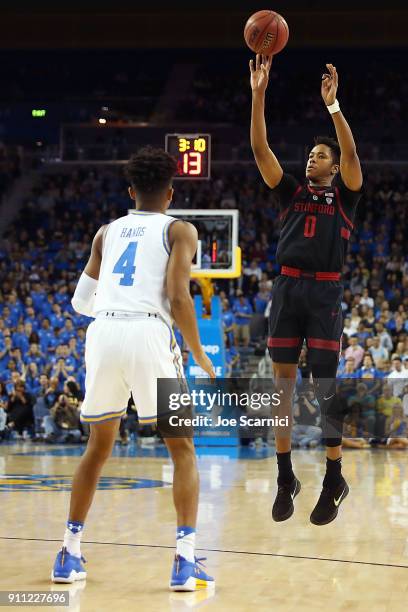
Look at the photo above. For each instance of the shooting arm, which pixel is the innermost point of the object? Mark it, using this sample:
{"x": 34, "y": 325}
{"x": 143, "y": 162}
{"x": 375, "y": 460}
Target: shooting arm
{"x": 266, "y": 160}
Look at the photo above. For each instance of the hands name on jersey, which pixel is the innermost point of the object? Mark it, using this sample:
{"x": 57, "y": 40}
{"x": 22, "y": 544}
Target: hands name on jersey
{"x": 132, "y": 232}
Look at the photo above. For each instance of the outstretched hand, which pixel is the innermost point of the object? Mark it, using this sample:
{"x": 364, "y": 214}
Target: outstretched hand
{"x": 330, "y": 82}
{"x": 260, "y": 74}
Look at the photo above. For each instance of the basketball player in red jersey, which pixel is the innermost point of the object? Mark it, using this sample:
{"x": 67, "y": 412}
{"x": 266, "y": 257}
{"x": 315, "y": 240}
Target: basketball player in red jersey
{"x": 316, "y": 221}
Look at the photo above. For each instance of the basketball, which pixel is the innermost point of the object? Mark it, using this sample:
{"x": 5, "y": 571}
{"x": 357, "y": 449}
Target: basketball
{"x": 266, "y": 32}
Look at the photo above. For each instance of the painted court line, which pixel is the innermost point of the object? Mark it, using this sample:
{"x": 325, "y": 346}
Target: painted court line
{"x": 217, "y": 550}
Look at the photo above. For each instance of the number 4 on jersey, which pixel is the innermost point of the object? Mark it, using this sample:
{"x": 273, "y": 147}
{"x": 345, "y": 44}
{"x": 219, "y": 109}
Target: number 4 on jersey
{"x": 126, "y": 265}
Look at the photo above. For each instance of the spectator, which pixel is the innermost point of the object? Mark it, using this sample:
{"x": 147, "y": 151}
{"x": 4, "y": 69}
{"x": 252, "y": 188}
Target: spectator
{"x": 362, "y": 334}
{"x": 385, "y": 406}
{"x": 383, "y": 368}
{"x": 373, "y": 383}
{"x": 6, "y": 353}
{"x": 262, "y": 297}
{"x": 366, "y": 299}
{"x": 378, "y": 352}
{"x": 306, "y": 432}
{"x": 253, "y": 270}
{"x": 74, "y": 351}
{"x": 34, "y": 355}
{"x": 18, "y": 360}
{"x": 405, "y": 401}
{"x": 398, "y": 377}
{"x": 63, "y": 423}
{"x": 348, "y": 330}
{"x": 243, "y": 314}
{"x": 60, "y": 372}
{"x": 355, "y": 319}
{"x": 67, "y": 332}
{"x": 368, "y": 366}
{"x": 398, "y": 423}
{"x": 42, "y": 404}
{"x": 228, "y": 321}
{"x": 304, "y": 366}
{"x": 369, "y": 319}
{"x": 384, "y": 336}
{"x": 3, "y": 413}
{"x": 30, "y": 334}
{"x": 32, "y": 379}
{"x": 69, "y": 360}
{"x": 401, "y": 351}
{"x": 19, "y": 338}
{"x": 19, "y": 410}
{"x": 350, "y": 370}
{"x": 232, "y": 359}
{"x": 355, "y": 350}
{"x": 362, "y": 404}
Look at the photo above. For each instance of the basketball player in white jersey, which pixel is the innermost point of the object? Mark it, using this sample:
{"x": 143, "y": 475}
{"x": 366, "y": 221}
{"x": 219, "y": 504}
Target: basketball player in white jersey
{"x": 135, "y": 284}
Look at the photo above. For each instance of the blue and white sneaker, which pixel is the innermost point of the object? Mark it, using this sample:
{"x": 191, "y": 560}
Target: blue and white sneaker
{"x": 68, "y": 568}
{"x": 187, "y": 576}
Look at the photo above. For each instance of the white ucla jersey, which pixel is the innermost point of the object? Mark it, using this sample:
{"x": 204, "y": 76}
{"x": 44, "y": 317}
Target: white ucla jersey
{"x": 134, "y": 262}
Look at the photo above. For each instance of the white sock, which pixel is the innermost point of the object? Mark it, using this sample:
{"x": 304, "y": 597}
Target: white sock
{"x": 185, "y": 545}
{"x": 72, "y": 538}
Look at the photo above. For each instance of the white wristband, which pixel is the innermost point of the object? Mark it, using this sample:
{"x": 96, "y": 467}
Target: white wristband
{"x": 84, "y": 296}
{"x": 334, "y": 108}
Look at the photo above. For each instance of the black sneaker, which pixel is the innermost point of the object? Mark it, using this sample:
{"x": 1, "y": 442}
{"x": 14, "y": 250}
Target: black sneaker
{"x": 283, "y": 506}
{"x": 328, "y": 504}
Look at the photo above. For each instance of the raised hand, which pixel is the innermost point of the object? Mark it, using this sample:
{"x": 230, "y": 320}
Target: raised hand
{"x": 330, "y": 83}
{"x": 260, "y": 74}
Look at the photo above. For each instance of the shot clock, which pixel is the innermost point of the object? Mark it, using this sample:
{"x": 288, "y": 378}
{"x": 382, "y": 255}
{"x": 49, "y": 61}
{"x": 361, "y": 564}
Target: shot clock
{"x": 193, "y": 154}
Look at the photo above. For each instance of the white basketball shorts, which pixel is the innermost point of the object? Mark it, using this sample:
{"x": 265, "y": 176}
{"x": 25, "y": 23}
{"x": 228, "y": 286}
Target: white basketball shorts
{"x": 124, "y": 356}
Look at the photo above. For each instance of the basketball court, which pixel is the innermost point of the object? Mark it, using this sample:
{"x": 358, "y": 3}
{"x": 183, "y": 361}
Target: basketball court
{"x": 359, "y": 562}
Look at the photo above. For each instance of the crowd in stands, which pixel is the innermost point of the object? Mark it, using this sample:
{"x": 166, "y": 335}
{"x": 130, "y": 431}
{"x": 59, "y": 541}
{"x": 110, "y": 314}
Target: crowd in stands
{"x": 41, "y": 256}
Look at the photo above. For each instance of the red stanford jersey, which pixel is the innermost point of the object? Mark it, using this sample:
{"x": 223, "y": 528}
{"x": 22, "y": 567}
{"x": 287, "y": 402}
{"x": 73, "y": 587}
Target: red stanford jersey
{"x": 315, "y": 224}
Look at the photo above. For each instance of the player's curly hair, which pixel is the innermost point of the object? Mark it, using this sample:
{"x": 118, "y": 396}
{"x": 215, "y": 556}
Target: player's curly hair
{"x": 332, "y": 144}
{"x": 150, "y": 170}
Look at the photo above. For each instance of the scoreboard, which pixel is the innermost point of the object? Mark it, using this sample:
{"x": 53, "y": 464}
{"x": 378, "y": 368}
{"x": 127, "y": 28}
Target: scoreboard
{"x": 193, "y": 155}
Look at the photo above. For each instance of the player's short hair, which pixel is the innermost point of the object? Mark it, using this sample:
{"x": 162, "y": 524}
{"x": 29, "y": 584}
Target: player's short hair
{"x": 150, "y": 170}
{"x": 332, "y": 144}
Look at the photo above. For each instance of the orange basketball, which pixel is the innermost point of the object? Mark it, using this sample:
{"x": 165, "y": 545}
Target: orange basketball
{"x": 266, "y": 32}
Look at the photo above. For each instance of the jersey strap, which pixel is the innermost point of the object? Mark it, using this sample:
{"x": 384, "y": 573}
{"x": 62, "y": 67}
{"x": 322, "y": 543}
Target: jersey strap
{"x": 285, "y": 212}
{"x": 343, "y": 214}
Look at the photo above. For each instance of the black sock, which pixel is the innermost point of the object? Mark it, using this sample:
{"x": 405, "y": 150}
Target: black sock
{"x": 333, "y": 473}
{"x": 285, "y": 472}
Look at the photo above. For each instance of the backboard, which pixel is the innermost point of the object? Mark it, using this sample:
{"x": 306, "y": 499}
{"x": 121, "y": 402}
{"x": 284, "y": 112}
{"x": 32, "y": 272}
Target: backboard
{"x": 218, "y": 253}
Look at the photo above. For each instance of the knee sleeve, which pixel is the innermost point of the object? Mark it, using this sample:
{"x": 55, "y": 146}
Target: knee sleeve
{"x": 332, "y": 417}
